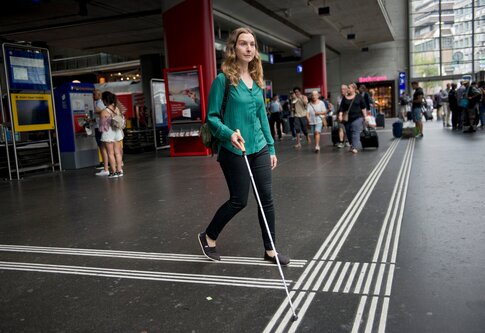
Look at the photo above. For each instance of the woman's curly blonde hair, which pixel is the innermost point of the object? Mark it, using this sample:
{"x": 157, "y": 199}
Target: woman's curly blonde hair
{"x": 230, "y": 66}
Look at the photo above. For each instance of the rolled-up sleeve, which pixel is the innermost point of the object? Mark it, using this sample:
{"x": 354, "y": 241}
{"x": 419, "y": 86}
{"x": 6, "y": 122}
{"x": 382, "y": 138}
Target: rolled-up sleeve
{"x": 265, "y": 128}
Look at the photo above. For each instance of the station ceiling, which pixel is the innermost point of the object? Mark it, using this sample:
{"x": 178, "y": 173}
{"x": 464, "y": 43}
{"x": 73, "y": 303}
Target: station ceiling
{"x": 130, "y": 28}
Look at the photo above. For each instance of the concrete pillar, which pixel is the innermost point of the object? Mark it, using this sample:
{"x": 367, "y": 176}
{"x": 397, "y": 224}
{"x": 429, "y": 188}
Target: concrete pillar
{"x": 151, "y": 68}
{"x": 314, "y": 65}
{"x": 189, "y": 37}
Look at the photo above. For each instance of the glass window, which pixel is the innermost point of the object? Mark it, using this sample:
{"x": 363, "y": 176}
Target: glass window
{"x": 442, "y": 43}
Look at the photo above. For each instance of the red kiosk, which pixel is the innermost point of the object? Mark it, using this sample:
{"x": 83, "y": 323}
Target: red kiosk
{"x": 186, "y": 110}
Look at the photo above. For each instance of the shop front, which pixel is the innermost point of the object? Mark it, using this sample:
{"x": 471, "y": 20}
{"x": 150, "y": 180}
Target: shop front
{"x": 384, "y": 92}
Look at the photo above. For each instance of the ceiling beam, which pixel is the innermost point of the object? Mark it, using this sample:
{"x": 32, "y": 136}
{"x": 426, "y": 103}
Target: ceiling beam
{"x": 90, "y": 21}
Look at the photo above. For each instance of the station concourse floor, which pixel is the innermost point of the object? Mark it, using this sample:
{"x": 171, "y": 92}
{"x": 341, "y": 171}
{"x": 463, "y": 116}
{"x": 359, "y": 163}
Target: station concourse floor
{"x": 388, "y": 240}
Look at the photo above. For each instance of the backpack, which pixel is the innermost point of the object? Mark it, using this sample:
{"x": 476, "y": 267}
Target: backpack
{"x": 118, "y": 121}
{"x": 208, "y": 139}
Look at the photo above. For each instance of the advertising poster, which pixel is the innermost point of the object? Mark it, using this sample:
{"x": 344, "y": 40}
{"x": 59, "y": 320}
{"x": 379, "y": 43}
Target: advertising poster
{"x": 184, "y": 96}
{"x": 159, "y": 103}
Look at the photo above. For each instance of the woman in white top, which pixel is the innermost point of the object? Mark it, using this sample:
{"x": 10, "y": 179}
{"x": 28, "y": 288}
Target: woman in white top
{"x": 315, "y": 111}
{"x": 111, "y": 136}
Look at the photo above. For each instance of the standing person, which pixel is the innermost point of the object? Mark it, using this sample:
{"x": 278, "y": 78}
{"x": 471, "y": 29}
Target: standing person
{"x": 98, "y": 108}
{"x": 403, "y": 106}
{"x": 437, "y": 104}
{"x": 481, "y": 87}
{"x": 353, "y": 104}
{"x": 301, "y": 122}
{"x": 460, "y": 93}
{"x": 418, "y": 100}
{"x": 316, "y": 110}
{"x": 365, "y": 95}
{"x": 372, "y": 103}
{"x": 111, "y": 136}
{"x": 342, "y": 125}
{"x": 453, "y": 104}
{"x": 245, "y": 110}
{"x": 275, "y": 110}
{"x": 291, "y": 117}
{"x": 474, "y": 96}
{"x": 446, "y": 105}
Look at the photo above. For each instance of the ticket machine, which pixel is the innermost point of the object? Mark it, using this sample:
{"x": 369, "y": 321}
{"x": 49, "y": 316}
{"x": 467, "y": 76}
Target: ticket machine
{"x": 75, "y": 112}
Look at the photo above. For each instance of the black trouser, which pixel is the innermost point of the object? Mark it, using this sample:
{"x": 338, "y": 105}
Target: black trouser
{"x": 455, "y": 116}
{"x": 238, "y": 181}
{"x": 275, "y": 118}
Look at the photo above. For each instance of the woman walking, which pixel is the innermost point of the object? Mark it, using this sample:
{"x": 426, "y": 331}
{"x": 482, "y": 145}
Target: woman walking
{"x": 316, "y": 110}
{"x": 245, "y": 111}
{"x": 353, "y": 108}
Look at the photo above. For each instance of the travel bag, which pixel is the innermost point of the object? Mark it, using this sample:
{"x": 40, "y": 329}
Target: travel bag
{"x": 397, "y": 129}
{"x": 380, "y": 120}
{"x": 369, "y": 138}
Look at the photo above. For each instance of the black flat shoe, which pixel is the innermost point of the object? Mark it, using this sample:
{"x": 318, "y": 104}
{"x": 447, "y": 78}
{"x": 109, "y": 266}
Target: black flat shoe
{"x": 284, "y": 260}
{"x": 209, "y": 252}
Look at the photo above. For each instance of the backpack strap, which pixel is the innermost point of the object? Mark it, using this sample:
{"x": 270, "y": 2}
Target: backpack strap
{"x": 226, "y": 97}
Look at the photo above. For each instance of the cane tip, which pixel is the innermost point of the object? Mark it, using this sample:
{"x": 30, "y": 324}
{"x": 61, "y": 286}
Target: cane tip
{"x": 294, "y": 318}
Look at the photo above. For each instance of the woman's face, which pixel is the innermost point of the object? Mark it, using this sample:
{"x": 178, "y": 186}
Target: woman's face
{"x": 315, "y": 96}
{"x": 245, "y": 47}
{"x": 351, "y": 89}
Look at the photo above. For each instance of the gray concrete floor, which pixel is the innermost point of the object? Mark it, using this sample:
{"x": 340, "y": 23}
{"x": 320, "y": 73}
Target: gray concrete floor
{"x": 386, "y": 240}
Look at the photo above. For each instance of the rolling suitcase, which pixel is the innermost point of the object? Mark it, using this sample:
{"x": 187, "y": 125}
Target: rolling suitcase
{"x": 369, "y": 138}
{"x": 380, "y": 120}
{"x": 335, "y": 137}
{"x": 397, "y": 129}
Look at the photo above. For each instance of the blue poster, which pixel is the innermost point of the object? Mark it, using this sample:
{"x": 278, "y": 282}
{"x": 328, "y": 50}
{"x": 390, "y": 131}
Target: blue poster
{"x": 402, "y": 82}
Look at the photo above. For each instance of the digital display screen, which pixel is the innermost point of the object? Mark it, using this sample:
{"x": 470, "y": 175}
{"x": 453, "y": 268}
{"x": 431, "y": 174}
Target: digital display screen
{"x": 32, "y": 112}
{"x": 28, "y": 69}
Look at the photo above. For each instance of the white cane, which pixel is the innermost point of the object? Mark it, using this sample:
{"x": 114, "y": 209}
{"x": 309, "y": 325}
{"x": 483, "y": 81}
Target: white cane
{"x": 294, "y": 317}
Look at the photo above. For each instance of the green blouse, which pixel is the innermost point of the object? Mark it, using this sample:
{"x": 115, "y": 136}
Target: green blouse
{"x": 245, "y": 110}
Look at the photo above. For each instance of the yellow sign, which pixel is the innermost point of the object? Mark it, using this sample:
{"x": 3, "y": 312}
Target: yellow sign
{"x": 32, "y": 112}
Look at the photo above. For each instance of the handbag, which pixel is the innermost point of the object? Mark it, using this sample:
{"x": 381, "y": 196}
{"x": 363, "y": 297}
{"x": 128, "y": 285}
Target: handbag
{"x": 463, "y": 103}
{"x": 345, "y": 115}
{"x": 208, "y": 139}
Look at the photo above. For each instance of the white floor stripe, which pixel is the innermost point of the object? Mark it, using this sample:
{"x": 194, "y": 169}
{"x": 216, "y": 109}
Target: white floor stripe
{"x": 312, "y": 277}
{"x": 339, "y": 226}
{"x": 278, "y": 313}
{"x": 389, "y": 152}
{"x": 401, "y": 215}
{"x": 370, "y": 276}
{"x": 303, "y": 276}
{"x": 390, "y": 277}
{"x": 355, "y": 267}
{"x": 302, "y": 312}
{"x": 380, "y": 276}
{"x": 383, "y": 319}
{"x": 375, "y": 258}
{"x": 341, "y": 277}
{"x": 141, "y": 255}
{"x": 332, "y": 276}
{"x": 357, "y": 209}
{"x": 144, "y": 275}
{"x": 287, "y": 317}
{"x": 358, "y": 315}
{"x": 319, "y": 282}
{"x": 361, "y": 278}
{"x": 371, "y": 316}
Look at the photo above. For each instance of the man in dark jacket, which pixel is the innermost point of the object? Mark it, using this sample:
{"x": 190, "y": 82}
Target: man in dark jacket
{"x": 455, "y": 110}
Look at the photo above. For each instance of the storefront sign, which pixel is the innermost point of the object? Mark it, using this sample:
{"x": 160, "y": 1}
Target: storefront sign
{"x": 364, "y": 79}
{"x": 402, "y": 82}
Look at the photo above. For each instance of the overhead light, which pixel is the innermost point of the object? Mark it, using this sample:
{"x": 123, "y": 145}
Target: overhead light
{"x": 323, "y": 11}
{"x": 350, "y": 36}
